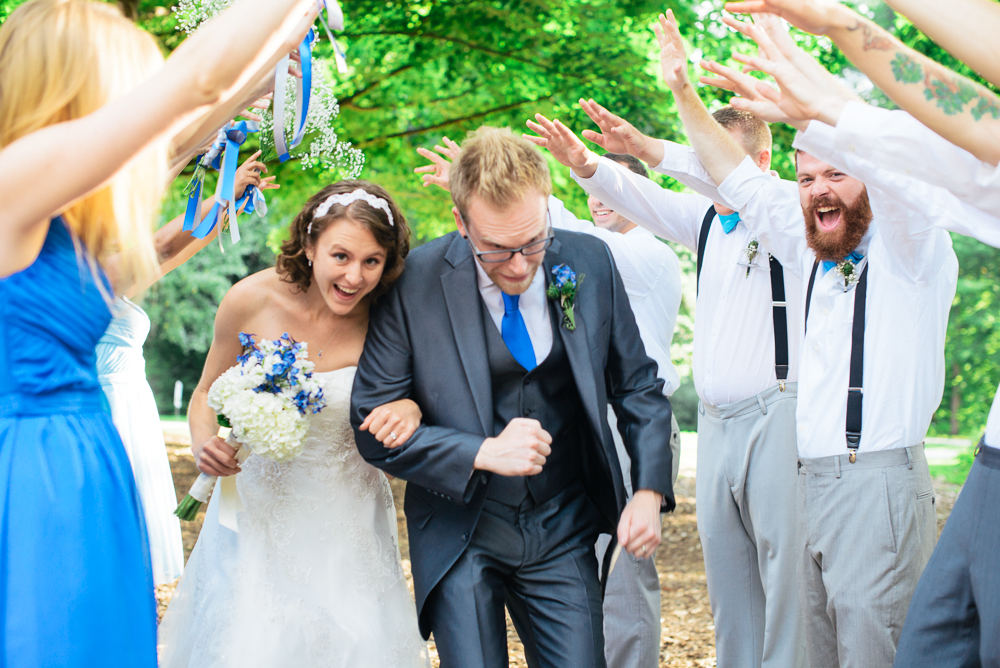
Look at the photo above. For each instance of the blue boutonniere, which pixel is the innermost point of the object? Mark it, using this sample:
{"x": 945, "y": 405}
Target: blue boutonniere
{"x": 563, "y": 288}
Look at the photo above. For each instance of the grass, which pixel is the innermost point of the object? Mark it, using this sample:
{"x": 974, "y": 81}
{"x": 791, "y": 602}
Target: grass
{"x": 174, "y": 418}
{"x": 956, "y": 473}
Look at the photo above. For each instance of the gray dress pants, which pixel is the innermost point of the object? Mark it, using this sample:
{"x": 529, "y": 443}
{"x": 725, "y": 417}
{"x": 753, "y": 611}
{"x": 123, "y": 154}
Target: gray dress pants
{"x": 954, "y": 617}
{"x": 748, "y": 524}
{"x": 632, "y": 594}
{"x": 867, "y": 529}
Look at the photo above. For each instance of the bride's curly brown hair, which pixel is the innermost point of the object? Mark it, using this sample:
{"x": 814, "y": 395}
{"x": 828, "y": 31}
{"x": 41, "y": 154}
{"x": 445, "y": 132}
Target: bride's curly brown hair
{"x": 293, "y": 265}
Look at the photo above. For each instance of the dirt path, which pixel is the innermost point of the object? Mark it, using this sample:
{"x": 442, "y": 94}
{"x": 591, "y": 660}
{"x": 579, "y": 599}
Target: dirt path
{"x": 687, "y": 637}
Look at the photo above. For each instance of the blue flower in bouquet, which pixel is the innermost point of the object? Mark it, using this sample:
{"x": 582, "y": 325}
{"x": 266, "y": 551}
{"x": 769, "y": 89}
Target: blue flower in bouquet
{"x": 563, "y": 288}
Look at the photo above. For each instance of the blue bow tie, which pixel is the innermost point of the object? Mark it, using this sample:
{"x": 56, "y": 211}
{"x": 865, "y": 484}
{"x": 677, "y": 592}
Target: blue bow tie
{"x": 854, "y": 257}
{"x": 729, "y": 221}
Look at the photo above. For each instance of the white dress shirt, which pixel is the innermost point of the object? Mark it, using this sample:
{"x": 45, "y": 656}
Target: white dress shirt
{"x": 651, "y": 273}
{"x": 734, "y": 326}
{"x": 897, "y": 141}
{"x": 912, "y": 274}
{"x": 533, "y": 304}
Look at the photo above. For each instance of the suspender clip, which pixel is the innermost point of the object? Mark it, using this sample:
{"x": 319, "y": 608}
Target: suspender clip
{"x": 853, "y": 441}
{"x": 781, "y": 385}
{"x": 854, "y": 456}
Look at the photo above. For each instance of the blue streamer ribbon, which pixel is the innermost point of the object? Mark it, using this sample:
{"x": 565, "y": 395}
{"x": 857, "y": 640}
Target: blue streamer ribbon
{"x": 252, "y": 201}
{"x": 303, "y": 89}
{"x": 194, "y": 187}
{"x": 225, "y": 192}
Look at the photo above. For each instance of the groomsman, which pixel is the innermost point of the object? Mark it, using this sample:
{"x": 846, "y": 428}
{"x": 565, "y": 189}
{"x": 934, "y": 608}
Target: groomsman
{"x": 747, "y": 331}
{"x": 651, "y": 275}
{"x": 953, "y": 609}
{"x": 880, "y": 279}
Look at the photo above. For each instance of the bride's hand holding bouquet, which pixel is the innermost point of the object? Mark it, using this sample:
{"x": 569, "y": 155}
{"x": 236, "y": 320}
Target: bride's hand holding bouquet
{"x": 268, "y": 400}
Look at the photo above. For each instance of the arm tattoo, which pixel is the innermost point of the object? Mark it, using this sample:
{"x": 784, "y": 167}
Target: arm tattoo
{"x": 952, "y": 93}
{"x": 874, "y": 39}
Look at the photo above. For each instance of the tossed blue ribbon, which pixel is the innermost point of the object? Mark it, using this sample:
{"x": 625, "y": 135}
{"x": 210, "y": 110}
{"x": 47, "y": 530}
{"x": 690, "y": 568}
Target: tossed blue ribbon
{"x": 302, "y": 98}
{"x": 225, "y": 192}
{"x": 335, "y": 18}
{"x": 252, "y": 201}
{"x": 194, "y": 187}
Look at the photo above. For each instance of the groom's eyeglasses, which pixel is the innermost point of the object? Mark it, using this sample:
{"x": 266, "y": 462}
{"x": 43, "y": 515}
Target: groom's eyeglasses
{"x": 497, "y": 256}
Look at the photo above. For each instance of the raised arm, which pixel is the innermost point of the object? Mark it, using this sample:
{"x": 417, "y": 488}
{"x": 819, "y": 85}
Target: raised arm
{"x": 716, "y": 148}
{"x": 957, "y": 108}
{"x": 39, "y": 173}
{"x": 671, "y": 215}
{"x": 966, "y": 28}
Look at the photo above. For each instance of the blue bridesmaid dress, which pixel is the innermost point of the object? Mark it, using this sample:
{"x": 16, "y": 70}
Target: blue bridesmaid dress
{"x": 76, "y": 586}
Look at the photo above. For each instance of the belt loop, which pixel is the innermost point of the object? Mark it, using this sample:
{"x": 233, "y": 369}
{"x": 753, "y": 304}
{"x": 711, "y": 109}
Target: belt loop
{"x": 837, "y": 465}
{"x": 909, "y": 460}
{"x": 763, "y": 406}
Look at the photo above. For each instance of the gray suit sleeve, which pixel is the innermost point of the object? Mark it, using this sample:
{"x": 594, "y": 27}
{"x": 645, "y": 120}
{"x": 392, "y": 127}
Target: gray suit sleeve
{"x": 438, "y": 458}
{"x": 636, "y": 394}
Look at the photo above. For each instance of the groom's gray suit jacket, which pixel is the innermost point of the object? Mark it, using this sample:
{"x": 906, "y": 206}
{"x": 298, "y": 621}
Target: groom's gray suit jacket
{"x": 426, "y": 341}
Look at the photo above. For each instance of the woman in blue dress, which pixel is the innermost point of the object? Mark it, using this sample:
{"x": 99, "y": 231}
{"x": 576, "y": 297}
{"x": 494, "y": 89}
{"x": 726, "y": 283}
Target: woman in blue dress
{"x": 88, "y": 110}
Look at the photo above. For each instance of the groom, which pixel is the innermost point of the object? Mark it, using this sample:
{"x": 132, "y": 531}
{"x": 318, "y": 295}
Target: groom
{"x": 513, "y": 473}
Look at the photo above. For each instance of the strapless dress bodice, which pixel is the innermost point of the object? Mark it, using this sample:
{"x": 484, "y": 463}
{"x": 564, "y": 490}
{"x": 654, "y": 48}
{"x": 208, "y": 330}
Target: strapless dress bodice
{"x": 52, "y": 315}
{"x": 120, "y": 349}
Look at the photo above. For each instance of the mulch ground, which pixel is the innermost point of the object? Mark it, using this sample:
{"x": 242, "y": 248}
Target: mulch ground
{"x": 687, "y": 636}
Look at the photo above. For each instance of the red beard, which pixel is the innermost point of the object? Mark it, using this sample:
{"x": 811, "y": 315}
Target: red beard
{"x": 842, "y": 240}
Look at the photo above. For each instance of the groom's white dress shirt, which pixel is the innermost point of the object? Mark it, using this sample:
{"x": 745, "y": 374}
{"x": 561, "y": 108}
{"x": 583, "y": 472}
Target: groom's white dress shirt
{"x": 900, "y": 143}
{"x": 533, "y": 304}
{"x": 734, "y": 329}
{"x": 912, "y": 274}
{"x": 651, "y": 274}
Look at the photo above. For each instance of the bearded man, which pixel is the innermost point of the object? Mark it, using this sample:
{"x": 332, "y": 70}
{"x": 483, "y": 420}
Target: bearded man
{"x": 879, "y": 278}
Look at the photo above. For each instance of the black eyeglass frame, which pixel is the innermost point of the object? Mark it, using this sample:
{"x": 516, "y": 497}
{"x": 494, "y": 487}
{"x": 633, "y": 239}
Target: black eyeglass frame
{"x": 488, "y": 257}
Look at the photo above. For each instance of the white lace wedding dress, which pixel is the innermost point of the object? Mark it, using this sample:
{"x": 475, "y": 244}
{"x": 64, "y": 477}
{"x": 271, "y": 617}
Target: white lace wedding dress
{"x": 313, "y": 578}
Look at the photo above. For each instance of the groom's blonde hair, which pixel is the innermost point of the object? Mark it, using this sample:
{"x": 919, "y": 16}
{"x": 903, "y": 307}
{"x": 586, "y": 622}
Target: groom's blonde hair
{"x": 499, "y": 167}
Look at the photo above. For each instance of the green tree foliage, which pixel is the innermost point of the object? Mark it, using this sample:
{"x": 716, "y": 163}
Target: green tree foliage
{"x": 421, "y": 69}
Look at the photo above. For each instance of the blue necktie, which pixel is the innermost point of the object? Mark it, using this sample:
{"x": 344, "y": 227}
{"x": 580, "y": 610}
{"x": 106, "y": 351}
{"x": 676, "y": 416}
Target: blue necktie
{"x": 854, "y": 257}
{"x": 515, "y": 332}
{"x": 729, "y": 221}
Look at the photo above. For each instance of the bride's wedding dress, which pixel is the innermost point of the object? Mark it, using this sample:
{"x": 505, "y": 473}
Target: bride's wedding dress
{"x": 313, "y": 578}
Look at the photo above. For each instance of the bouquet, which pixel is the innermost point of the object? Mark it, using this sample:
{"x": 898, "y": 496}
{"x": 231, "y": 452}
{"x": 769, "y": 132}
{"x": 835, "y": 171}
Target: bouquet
{"x": 268, "y": 400}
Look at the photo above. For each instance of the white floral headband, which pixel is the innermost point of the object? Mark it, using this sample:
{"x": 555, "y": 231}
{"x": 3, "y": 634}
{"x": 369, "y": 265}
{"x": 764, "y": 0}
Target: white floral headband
{"x": 345, "y": 199}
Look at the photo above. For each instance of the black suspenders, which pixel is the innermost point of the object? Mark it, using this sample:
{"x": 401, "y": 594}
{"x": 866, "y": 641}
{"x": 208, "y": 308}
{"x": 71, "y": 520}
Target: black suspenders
{"x": 778, "y": 308}
{"x": 855, "y": 385}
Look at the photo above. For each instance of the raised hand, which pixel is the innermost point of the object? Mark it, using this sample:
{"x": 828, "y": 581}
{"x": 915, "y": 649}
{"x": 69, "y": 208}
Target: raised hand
{"x": 520, "y": 449}
{"x": 437, "y": 173}
{"x": 639, "y": 530}
{"x": 618, "y": 135}
{"x": 804, "y": 95}
{"x": 393, "y": 423}
{"x": 815, "y": 16}
{"x": 564, "y": 146}
{"x": 249, "y": 174}
{"x": 673, "y": 58}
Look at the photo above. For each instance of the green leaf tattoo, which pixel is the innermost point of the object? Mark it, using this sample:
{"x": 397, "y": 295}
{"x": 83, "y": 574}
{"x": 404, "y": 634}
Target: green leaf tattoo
{"x": 951, "y": 98}
{"x": 985, "y": 107}
{"x": 906, "y": 70}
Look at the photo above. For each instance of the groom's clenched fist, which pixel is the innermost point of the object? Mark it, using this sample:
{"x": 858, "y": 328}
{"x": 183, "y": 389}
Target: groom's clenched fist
{"x": 520, "y": 449}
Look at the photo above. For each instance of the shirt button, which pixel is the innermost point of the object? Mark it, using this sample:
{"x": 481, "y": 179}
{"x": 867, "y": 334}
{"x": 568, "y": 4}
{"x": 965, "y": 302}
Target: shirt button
{"x": 528, "y": 412}
{"x": 465, "y": 537}
{"x": 826, "y": 311}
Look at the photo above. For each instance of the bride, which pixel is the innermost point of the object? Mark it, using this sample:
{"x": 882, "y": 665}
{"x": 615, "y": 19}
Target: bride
{"x": 313, "y": 576}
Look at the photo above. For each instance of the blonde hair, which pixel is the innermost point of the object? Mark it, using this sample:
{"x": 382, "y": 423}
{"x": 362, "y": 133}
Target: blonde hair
{"x": 499, "y": 167}
{"x": 59, "y": 61}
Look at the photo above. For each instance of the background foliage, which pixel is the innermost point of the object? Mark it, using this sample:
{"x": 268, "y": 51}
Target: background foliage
{"x": 421, "y": 69}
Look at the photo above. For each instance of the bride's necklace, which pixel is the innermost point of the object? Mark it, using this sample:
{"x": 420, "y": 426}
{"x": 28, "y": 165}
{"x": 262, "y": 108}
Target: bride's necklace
{"x": 331, "y": 336}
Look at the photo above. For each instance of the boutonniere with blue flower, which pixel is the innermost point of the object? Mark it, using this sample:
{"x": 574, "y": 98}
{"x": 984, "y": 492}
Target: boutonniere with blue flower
{"x": 849, "y": 272}
{"x": 563, "y": 287}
